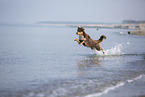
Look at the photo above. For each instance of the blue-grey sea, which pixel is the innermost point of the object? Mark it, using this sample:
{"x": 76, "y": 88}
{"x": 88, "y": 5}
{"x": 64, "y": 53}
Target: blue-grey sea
{"x": 45, "y": 61}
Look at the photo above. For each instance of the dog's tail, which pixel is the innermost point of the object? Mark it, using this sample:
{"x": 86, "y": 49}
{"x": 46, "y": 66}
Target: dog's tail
{"x": 101, "y": 39}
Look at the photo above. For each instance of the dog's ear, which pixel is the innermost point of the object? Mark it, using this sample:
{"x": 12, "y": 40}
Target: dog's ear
{"x": 82, "y": 29}
{"x": 79, "y": 29}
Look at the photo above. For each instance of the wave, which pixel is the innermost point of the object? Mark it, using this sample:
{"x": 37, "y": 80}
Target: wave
{"x": 116, "y": 86}
{"x": 123, "y": 33}
{"x": 117, "y": 50}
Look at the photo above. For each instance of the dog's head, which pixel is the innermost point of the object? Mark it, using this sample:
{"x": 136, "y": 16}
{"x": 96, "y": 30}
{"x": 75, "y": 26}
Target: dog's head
{"x": 80, "y": 30}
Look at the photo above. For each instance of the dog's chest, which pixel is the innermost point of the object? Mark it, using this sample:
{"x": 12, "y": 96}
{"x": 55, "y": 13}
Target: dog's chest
{"x": 81, "y": 37}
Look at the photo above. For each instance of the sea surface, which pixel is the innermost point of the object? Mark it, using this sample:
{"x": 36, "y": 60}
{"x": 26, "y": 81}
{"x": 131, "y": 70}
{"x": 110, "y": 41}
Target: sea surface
{"x": 45, "y": 61}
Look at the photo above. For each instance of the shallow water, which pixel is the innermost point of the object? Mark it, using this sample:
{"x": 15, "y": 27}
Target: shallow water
{"x": 47, "y": 62}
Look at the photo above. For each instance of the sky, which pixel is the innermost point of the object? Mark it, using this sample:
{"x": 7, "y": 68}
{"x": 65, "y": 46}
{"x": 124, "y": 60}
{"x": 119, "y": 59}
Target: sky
{"x": 104, "y": 11}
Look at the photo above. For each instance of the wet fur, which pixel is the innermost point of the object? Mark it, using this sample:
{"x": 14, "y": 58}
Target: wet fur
{"x": 93, "y": 44}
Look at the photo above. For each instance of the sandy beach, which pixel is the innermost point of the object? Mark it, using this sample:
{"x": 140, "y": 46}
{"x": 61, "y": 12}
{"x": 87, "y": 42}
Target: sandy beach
{"x": 137, "y": 32}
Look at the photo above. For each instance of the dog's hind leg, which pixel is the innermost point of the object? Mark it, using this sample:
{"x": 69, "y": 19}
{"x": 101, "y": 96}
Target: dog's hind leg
{"x": 102, "y": 51}
{"x": 99, "y": 48}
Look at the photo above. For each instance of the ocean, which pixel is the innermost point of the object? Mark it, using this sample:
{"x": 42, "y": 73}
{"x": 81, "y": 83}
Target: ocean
{"x": 45, "y": 61}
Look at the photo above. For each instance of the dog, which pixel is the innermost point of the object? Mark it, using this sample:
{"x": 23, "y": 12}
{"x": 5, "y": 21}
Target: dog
{"x": 81, "y": 34}
{"x": 88, "y": 41}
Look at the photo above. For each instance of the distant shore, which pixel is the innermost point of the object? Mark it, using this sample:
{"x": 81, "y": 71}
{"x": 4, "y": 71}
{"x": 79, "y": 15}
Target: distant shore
{"x": 139, "y": 29}
{"x": 137, "y": 32}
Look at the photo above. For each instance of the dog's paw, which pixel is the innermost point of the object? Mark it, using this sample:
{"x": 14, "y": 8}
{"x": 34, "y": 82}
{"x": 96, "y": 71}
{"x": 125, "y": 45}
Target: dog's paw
{"x": 75, "y": 40}
{"x": 103, "y": 52}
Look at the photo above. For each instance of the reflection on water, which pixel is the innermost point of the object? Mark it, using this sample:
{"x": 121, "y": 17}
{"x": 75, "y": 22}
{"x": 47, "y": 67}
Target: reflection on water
{"x": 89, "y": 65}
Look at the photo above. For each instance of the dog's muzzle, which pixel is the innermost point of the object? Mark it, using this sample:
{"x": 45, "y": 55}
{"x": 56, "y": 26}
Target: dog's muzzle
{"x": 79, "y": 33}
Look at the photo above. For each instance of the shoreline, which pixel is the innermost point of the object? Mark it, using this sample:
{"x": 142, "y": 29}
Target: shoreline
{"x": 131, "y": 88}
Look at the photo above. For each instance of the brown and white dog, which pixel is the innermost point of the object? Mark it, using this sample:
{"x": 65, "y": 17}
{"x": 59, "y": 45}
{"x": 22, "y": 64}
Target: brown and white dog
{"x": 88, "y": 41}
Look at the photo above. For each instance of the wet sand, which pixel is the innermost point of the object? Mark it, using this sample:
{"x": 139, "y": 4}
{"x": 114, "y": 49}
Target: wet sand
{"x": 137, "y": 32}
{"x": 132, "y": 89}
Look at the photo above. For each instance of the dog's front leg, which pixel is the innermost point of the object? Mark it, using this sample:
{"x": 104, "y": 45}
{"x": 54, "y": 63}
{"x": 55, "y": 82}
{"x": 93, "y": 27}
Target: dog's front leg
{"x": 77, "y": 41}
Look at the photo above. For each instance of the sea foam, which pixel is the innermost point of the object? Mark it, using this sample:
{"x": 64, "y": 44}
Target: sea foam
{"x": 116, "y": 86}
{"x": 116, "y": 50}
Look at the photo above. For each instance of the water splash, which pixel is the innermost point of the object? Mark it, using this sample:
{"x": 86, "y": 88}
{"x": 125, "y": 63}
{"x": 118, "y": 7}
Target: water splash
{"x": 117, "y": 50}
